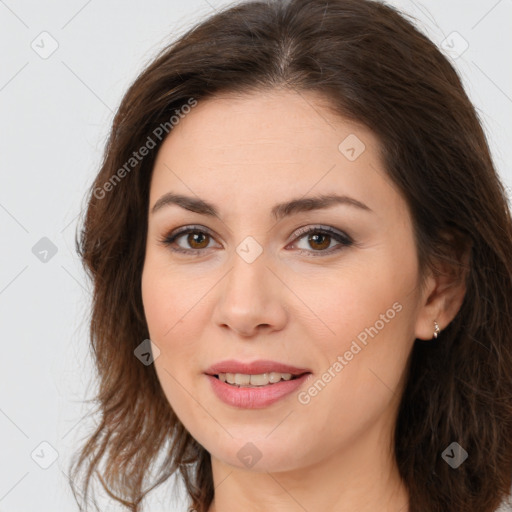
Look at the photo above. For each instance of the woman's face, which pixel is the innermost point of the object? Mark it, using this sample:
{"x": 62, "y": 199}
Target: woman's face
{"x": 343, "y": 307}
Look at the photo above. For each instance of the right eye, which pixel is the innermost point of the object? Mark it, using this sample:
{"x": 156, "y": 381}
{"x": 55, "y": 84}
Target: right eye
{"x": 196, "y": 240}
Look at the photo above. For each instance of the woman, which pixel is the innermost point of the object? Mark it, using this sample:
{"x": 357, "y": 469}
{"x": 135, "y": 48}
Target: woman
{"x": 300, "y": 249}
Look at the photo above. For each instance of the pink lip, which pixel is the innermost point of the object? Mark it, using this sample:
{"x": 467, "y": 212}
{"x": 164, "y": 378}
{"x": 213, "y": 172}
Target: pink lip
{"x": 254, "y": 368}
{"x": 257, "y": 397}
{"x": 254, "y": 397}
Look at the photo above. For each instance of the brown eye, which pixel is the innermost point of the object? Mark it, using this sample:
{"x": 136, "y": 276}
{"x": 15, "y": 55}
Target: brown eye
{"x": 188, "y": 240}
{"x": 322, "y": 241}
{"x": 319, "y": 240}
{"x": 196, "y": 239}
{"x": 193, "y": 241}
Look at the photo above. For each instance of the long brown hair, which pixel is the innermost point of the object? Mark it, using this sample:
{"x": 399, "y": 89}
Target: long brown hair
{"x": 373, "y": 66}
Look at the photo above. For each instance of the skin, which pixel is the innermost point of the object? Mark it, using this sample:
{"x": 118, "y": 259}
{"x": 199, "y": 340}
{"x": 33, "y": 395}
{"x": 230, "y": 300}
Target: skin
{"x": 244, "y": 154}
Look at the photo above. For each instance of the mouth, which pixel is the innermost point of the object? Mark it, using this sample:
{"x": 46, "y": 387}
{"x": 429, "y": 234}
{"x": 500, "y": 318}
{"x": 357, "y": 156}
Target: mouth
{"x": 256, "y": 384}
{"x": 261, "y": 380}
{"x": 257, "y": 369}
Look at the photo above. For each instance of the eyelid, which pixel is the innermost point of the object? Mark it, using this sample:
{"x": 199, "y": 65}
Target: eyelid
{"x": 319, "y": 227}
{"x": 190, "y": 227}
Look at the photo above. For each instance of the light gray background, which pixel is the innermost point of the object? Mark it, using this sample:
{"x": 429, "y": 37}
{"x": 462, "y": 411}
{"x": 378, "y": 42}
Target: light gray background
{"x": 55, "y": 114}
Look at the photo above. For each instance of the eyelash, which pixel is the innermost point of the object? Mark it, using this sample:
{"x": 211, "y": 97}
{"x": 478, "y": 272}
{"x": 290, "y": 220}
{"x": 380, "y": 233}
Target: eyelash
{"x": 340, "y": 237}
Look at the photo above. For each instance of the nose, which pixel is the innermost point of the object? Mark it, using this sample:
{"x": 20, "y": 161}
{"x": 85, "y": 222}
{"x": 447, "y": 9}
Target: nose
{"x": 250, "y": 298}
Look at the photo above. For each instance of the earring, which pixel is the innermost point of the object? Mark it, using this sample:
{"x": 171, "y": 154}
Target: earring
{"x": 436, "y": 329}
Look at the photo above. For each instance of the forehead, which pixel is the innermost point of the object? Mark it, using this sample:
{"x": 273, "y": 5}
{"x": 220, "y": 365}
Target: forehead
{"x": 282, "y": 121}
{"x": 268, "y": 143}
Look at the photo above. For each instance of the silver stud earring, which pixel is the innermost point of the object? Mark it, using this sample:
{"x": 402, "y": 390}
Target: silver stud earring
{"x": 436, "y": 329}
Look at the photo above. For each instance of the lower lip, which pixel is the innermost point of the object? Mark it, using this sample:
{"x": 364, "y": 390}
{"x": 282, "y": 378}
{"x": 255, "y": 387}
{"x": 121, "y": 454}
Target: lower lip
{"x": 258, "y": 397}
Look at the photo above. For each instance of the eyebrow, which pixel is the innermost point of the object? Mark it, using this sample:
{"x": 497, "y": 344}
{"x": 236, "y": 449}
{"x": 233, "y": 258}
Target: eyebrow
{"x": 279, "y": 211}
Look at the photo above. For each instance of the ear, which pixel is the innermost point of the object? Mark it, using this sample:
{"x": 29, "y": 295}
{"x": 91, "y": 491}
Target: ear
{"x": 443, "y": 294}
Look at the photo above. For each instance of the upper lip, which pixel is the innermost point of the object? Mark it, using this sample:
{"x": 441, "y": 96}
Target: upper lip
{"x": 254, "y": 368}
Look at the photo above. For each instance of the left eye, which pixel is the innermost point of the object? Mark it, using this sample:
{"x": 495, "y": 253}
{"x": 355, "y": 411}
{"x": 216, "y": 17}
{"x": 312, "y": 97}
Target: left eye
{"x": 320, "y": 238}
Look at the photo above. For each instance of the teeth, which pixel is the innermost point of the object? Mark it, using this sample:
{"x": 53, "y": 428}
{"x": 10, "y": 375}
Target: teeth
{"x": 242, "y": 380}
{"x": 263, "y": 379}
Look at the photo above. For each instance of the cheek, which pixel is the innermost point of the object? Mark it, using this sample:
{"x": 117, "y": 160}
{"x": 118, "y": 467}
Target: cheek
{"x": 171, "y": 308}
{"x": 170, "y": 329}
{"x": 168, "y": 298}
{"x": 370, "y": 298}
{"x": 360, "y": 384}
{"x": 154, "y": 300}
{"x": 173, "y": 335}
{"x": 166, "y": 315}
{"x": 371, "y": 311}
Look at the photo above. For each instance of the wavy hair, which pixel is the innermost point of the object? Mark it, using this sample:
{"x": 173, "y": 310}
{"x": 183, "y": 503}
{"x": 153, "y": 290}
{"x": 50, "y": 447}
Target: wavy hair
{"x": 373, "y": 66}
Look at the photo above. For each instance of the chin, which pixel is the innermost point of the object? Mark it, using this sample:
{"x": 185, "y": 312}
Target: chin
{"x": 259, "y": 455}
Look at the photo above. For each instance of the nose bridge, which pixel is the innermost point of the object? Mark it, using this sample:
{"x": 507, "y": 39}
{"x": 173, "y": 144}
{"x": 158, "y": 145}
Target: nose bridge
{"x": 248, "y": 297}
{"x": 247, "y": 280}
